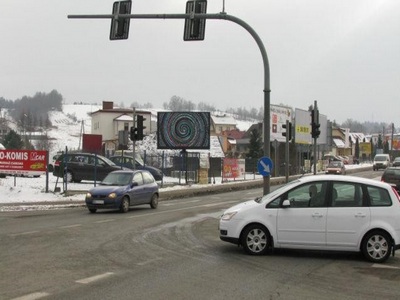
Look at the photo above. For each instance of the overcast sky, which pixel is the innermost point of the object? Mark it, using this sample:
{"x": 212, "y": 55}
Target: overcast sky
{"x": 344, "y": 54}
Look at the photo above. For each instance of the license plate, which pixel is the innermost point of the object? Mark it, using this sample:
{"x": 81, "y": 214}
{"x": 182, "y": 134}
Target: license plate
{"x": 98, "y": 201}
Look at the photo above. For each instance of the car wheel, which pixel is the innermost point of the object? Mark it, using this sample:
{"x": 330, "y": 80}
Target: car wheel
{"x": 92, "y": 210}
{"x": 255, "y": 239}
{"x": 68, "y": 177}
{"x": 124, "y": 208}
{"x": 154, "y": 201}
{"x": 376, "y": 246}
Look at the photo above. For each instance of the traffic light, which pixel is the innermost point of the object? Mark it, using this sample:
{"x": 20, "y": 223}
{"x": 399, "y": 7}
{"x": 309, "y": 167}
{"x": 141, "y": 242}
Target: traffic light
{"x": 288, "y": 131}
{"x": 120, "y": 26}
{"x": 195, "y": 28}
{"x": 140, "y": 127}
{"x": 133, "y": 134}
{"x": 315, "y": 131}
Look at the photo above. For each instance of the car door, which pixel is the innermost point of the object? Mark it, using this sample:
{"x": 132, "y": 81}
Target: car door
{"x": 303, "y": 224}
{"x": 138, "y": 192}
{"x": 79, "y": 165}
{"x": 102, "y": 169}
{"x": 348, "y": 216}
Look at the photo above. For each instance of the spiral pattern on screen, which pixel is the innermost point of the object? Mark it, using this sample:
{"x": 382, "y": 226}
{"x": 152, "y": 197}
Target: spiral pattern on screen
{"x": 184, "y": 130}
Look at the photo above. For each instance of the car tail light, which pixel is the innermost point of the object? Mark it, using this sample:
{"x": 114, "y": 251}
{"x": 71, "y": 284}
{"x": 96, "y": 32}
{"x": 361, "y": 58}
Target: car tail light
{"x": 396, "y": 193}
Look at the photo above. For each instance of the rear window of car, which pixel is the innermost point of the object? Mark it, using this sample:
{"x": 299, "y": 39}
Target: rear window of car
{"x": 147, "y": 177}
{"x": 378, "y": 196}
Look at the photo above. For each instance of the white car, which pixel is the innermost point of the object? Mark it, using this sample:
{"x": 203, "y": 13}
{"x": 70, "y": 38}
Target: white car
{"x": 321, "y": 212}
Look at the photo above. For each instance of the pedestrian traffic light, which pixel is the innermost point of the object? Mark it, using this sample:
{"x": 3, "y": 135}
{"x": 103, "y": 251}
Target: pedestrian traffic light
{"x": 133, "y": 134}
{"x": 288, "y": 131}
{"x": 120, "y": 26}
{"x": 140, "y": 127}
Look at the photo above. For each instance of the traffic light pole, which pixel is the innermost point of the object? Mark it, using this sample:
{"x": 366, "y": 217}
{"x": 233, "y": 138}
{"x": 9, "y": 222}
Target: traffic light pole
{"x": 288, "y": 129}
{"x": 220, "y": 16}
{"x": 134, "y": 142}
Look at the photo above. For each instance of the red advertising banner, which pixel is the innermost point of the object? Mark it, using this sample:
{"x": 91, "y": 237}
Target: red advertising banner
{"x": 23, "y": 161}
{"x": 233, "y": 168}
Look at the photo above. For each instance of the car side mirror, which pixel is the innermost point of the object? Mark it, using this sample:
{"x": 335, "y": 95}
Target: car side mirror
{"x": 286, "y": 203}
{"x": 134, "y": 184}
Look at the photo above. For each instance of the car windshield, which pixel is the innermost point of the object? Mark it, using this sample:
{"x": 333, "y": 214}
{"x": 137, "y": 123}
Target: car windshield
{"x": 117, "y": 179}
{"x": 380, "y": 158}
{"x": 334, "y": 164}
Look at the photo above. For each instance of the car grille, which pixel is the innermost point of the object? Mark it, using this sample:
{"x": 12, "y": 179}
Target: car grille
{"x": 102, "y": 196}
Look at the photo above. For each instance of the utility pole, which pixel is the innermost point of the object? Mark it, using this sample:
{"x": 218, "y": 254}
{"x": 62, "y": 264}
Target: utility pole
{"x": 315, "y": 132}
{"x": 133, "y": 141}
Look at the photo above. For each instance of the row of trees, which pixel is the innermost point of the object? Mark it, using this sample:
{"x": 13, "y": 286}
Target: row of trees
{"x": 31, "y": 113}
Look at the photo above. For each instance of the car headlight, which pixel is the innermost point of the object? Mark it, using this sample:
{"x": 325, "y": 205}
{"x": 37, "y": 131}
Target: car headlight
{"x": 112, "y": 195}
{"x": 228, "y": 216}
{"x": 88, "y": 195}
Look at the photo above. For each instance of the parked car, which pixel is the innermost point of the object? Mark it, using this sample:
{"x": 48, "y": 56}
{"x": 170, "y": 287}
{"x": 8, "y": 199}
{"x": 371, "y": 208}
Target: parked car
{"x": 381, "y": 161}
{"x": 396, "y": 162}
{"x": 392, "y": 176}
{"x": 345, "y": 213}
{"x": 122, "y": 189}
{"x": 127, "y": 162}
{"x": 336, "y": 167}
{"x": 75, "y": 167}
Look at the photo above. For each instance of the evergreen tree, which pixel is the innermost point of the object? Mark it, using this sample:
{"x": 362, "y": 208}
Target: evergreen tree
{"x": 357, "y": 149}
{"x": 12, "y": 140}
{"x": 386, "y": 147}
{"x": 380, "y": 143}
{"x": 255, "y": 144}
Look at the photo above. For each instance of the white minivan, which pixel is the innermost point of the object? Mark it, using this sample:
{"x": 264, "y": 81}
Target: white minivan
{"x": 381, "y": 161}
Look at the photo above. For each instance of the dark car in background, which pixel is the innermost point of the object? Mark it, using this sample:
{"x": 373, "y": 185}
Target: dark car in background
{"x": 127, "y": 162}
{"x": 123, "y": 189}
{"x": 75, "y": 167}
{"x": 396, "y": 162}
{"x": 391, "y": 175}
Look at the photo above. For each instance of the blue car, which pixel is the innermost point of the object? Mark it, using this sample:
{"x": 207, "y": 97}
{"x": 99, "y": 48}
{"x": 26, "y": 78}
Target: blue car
{"x": 123, "y": 189}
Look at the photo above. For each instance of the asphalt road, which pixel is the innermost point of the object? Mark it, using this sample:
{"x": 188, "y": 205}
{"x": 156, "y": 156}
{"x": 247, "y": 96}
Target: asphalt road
{"x": 173, "y": 252}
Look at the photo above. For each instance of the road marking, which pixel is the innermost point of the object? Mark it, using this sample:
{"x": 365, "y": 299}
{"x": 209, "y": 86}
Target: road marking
{"x": 70, "y": 226}
{"x": 94, "y": 278}
{"x": 148, "y": 261}
{"x": 380, "y": 266}
{"x": 32, "y": 296}
{"x": 105, "y": 221}
{"x": 24, "y": 233}
{"x": 180, "y": 209}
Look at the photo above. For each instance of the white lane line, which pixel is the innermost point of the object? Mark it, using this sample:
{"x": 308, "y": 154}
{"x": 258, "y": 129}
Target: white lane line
{"x": 105, "y": 221}
{"x": 24, "y": 233}
{"x": 94, "y": 278}
{"x": 70, "y": 226}
{"x": 380, "y": 266}
{"x": 32, "y": 296}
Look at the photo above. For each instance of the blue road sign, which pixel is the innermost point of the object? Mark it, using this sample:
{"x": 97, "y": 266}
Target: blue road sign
{"x": 264, "y": 166}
